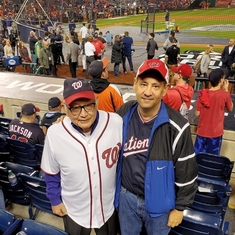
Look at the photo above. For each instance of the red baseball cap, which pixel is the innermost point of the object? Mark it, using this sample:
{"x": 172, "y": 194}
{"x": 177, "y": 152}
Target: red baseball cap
{"x": 183, "y": 69}
{"x": 154, "y": 65}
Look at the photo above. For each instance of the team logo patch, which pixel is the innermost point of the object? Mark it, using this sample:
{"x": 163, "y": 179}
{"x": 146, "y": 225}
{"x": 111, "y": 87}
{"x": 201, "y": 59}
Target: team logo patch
{"x": 77, "y": 85}
{"x": 11, "y": 62}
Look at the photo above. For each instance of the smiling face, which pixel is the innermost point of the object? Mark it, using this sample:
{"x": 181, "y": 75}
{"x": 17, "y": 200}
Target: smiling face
{"x": 85, "y": 119}
{"x": 149, "y": 92}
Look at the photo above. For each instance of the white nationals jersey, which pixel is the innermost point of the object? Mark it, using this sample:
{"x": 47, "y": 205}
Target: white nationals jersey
{"x": 87, "y": 165}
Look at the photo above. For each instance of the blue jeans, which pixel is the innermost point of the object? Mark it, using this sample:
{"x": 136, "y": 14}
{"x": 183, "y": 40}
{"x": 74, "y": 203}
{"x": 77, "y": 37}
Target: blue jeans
{"x": 2, "y": 201}
{"x": 129, "y": 58}
{"x": 116, "y": 69}
{"x": 132, "y": 215}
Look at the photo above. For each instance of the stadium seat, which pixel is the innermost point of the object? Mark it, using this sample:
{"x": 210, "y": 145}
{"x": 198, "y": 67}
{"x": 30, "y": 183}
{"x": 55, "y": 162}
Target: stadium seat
{"x": 31, "y": 227}
{"x": 6, "y": 220}
{"x": 39, "y": 150}
{"x": 212, "y": 198}
{"x": 23, "y": 153}
{"x": 4, "y": 123}
{"x": 4, "y": 149}
{"x": 200, "y": 223}
{"x": 216, "y": 169}
{"x": 14, "y": 193}
{"x": 35, "y": 187}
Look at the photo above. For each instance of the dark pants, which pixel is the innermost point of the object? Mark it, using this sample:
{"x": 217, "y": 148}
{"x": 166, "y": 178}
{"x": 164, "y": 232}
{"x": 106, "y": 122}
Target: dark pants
{"x": 89, "y": 59}
{"x": 72, "y": 67}
{"x": 109, "y": 228}
{"x": 129, "y": 58}
{"x": 150, "y": 57}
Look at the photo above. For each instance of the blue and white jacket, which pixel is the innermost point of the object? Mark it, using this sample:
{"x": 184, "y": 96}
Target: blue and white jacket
{"x": 171, "y": 168}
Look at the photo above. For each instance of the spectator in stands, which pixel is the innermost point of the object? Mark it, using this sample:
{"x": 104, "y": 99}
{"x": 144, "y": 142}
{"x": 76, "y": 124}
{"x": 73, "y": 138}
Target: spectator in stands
{"x": 181, "y": 92}
{"x": 25, "y": 129}
{"x": 168, "y": 42}
{"x": 37, "y": 49}
{"x": 228, "y": 57}
{"x": 24, "y": 54}
{"x": 116, "y": 56}
{"x": 72, "y": 56}
{"x": 109, "y": 97}
{"x": 32, "y": 41}
{"x": 167, "y": 19}
{"x": 205, "y": 62}
{"x": 99, "y": 47}
{"x": 127, "y": 51}
{"x": 212, "y": 103}
{"x": 46, "y": 59}
{"x": 157, "y": 169}
{"x": 172, "y": 58}
{"x": 85, "y": 132}
{"x": 54, "y": 112}
{"x": 152, "y": 46}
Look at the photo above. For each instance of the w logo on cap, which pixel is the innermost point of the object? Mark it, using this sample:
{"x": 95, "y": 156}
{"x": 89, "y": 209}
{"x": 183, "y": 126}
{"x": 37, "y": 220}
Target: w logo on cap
{"x": 77, "y": 85}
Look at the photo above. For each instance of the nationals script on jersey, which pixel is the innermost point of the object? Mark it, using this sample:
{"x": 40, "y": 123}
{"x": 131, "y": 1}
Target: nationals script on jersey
{"x": 87, "y": 165}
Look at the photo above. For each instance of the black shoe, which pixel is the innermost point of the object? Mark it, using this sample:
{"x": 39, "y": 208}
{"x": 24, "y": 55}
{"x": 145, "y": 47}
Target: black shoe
{"x": 84, "y": 70}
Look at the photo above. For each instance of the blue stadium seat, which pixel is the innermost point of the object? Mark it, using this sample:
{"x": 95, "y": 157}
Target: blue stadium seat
{"x": 15, "y": 193}
{"x": 39, "y": 150}
{"x": 31, "y": 227}
{"x": 215, "y": 168}
{"x": 6, "y": 220}
{"x": 200, "y": 223}
{"x": 35, "y": 187}
{"x": 212, "y": 198}
{"x": 4, "y": 149}
{"x": 23, "y": 153}
{"x": 4, "y": 123}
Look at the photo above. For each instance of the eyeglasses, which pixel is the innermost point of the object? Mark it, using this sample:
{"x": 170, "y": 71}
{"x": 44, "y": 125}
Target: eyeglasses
{"x": 76, "y": 110}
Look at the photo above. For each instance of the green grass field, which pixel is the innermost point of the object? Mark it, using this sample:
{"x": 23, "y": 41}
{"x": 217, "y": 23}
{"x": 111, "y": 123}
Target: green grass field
{"x": 185, "y": 19}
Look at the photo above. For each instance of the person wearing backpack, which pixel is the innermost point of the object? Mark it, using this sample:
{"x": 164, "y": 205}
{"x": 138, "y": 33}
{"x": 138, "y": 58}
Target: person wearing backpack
{"x": 181, "y": 92}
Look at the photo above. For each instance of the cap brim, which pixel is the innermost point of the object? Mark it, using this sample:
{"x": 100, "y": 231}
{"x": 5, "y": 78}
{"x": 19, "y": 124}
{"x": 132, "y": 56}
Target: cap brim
{"x": 80, "y": 95}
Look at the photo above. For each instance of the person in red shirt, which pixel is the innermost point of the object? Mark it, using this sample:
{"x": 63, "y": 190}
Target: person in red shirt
{"x": 181, "y": 91}
{"x": 210, "y": 110}
{"x": 99, "y": 47}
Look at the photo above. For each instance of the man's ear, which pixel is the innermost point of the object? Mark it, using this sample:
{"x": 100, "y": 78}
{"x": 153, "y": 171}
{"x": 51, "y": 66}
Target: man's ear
{"x": 135, "y": 83}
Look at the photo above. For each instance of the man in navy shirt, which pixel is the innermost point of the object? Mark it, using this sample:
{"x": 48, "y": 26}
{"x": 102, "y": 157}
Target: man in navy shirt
{"x": 127, "y": 43}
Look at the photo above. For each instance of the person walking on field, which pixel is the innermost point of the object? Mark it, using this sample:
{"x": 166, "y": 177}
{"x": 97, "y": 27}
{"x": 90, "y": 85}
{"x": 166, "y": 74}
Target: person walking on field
{"x": 116, "y": 56}
{"x": 152, "y": 46}
{"x": 205, "y": 62}
{"x": 228, "y": 58}
{"x": 211, "y": 103}
{"x": 167, "y": 18}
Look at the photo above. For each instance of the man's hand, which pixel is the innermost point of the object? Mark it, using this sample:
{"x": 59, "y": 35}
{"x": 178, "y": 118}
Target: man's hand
{"x": 59, "y": 209}
{"x": 175, "y": 218}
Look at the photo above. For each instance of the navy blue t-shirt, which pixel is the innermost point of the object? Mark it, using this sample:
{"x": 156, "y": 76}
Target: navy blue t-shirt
{"x": 134, "y": 156}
